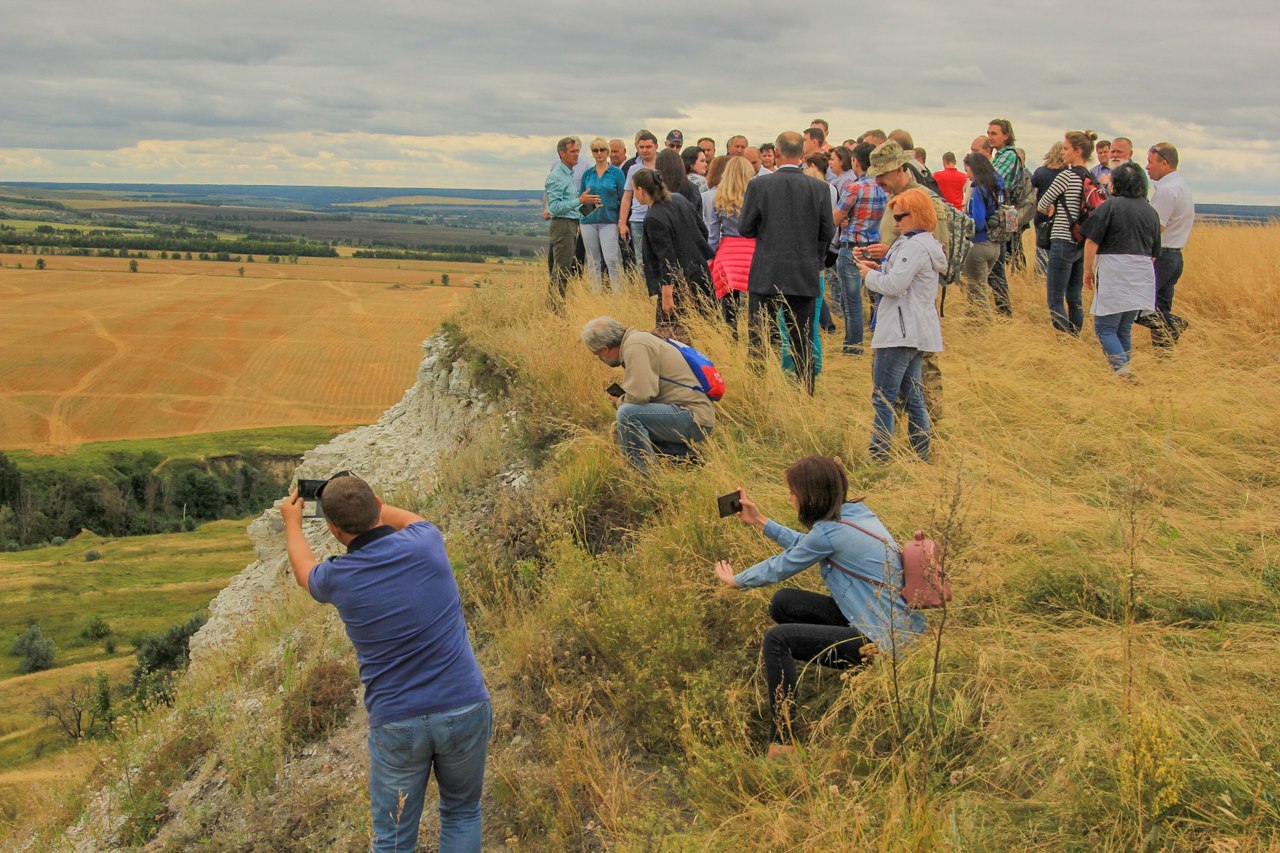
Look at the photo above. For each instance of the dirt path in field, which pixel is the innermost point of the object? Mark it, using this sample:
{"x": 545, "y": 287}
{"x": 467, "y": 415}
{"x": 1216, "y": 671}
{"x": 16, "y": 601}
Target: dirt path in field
{"x": 60, "y": 432}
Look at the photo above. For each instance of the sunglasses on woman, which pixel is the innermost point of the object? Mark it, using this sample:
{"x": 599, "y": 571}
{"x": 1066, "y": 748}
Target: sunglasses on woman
{"x": 898, "y": 217}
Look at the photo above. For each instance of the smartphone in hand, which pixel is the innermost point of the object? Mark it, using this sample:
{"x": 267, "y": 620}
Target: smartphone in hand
{"x": 614, "y": 390}
{"x": 730, "y": 504}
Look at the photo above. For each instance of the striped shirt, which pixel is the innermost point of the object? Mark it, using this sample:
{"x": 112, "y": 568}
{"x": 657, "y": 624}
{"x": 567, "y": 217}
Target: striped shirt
{"x": 1064, "y": 194}
{"x": 863, "y": 202}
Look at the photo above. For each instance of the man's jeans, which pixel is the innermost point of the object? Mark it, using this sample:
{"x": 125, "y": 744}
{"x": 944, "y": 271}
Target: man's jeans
{"x": 1114, "y": 332}
{"x": 645, "y": 429}
{"x": 564, "y": 261}
{"x": 401, "y": 756}
{"x": 894, "y": 373}
{"x": 1065, "y": 284}
{"x": 1168, "y": 271}
{"x": 849, "y": 281}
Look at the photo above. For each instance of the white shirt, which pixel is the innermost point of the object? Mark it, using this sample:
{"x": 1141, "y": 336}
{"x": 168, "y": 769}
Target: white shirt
{"x": 1172, "y": 200}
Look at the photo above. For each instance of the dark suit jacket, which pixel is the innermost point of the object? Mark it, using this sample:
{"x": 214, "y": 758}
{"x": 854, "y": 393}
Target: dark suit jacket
{"x": 675, "y": 246}
{"x": 789, "y": 214}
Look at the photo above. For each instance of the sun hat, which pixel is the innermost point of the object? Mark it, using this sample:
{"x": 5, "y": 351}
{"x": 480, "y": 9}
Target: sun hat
{"x": 887, "y": 157}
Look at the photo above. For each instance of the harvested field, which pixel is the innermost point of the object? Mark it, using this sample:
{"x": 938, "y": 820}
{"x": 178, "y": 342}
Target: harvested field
{"x": 93, "y": 352}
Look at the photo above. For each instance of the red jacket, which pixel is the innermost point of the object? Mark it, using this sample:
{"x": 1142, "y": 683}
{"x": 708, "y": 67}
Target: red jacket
{"x": 732, "y": 264}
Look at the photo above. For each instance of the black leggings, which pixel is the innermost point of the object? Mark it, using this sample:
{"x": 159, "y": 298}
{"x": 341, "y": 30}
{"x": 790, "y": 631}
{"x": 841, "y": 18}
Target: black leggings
{"x": 810, "y": 627}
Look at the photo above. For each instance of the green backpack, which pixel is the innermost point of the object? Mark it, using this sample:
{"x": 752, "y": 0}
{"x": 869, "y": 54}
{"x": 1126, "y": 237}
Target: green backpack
{"x": 960, "y": 227}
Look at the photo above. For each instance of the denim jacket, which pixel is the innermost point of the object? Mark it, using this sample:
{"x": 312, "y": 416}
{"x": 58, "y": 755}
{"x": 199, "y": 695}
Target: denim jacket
{"x": 869, "y": 607}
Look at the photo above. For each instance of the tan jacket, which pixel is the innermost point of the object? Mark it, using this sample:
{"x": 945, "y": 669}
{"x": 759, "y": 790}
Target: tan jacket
{"x": 889, "y": 228}
{"x": 648, "y": 363}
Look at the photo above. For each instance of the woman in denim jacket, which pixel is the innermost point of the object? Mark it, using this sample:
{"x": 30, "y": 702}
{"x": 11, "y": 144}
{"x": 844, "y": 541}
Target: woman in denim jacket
{"x": 862, "y": 569}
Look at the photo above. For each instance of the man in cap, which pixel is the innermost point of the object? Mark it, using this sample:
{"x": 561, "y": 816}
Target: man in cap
{"x": 675, "y": 141}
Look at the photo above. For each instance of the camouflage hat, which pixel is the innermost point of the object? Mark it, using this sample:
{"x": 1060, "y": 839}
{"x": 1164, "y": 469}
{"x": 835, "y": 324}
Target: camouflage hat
{"x": 887, "y": 157}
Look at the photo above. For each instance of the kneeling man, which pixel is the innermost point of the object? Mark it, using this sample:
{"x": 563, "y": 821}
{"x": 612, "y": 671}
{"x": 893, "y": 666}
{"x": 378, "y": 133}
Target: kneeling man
{"x": 662, "y": 409}
{"x": 428, "y": 705}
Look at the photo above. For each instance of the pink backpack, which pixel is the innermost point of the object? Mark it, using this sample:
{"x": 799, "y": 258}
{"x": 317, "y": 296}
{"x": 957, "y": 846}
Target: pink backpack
{"x": 924, "y": 584}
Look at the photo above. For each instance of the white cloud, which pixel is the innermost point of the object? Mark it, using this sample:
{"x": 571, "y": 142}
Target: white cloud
{"x": 393, "y": 91}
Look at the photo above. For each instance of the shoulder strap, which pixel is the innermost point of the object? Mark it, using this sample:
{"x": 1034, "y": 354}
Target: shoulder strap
{"x": 876, "y": 536}
{"x": 859, "y": 575}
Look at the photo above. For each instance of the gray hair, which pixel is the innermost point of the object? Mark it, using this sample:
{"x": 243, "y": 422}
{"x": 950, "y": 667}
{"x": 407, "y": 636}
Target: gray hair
{"x": 602, "y": 333}
{"x": 563, "y": 145}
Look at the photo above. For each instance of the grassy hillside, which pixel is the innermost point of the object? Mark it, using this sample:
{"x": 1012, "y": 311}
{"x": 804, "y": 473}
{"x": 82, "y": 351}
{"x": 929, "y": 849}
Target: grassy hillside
{"x": 1105, "y": 679}
{"x": 141, "y": 584}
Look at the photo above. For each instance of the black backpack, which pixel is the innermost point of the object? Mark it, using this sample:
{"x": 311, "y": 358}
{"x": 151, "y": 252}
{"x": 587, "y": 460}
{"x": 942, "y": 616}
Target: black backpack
{"x": 924, "y": 177}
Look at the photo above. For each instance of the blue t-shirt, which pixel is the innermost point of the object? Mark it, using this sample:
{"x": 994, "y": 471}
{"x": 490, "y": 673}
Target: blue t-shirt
{"x": 399, "y": 602}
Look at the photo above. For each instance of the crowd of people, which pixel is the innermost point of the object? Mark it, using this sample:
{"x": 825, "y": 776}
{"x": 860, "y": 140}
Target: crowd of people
{"x": 777, "y": 221}
{"x": 787, "y": 221}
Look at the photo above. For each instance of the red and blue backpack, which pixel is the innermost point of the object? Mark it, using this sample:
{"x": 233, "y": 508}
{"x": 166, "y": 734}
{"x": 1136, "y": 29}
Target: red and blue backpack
{"x": 710, "y": 382}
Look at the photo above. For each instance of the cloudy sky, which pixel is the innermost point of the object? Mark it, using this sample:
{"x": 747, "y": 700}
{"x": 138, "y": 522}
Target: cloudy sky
{"x": 474, "y": 94}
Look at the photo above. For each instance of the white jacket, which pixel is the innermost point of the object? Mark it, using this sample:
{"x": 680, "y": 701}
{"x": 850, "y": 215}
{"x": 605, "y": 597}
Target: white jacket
{"x": 908, "y": 280}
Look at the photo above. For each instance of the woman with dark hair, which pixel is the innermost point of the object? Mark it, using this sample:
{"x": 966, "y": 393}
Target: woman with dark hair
{"x": 861, "y": 566}
{"x": 1065, "y": 273}
{"x": 986, "y": 192}
{"x": 1123, "y": 237}
{"x": 695, "y": 167}
{"x": 675, "y": 248}
{"x": 671, "y": 167}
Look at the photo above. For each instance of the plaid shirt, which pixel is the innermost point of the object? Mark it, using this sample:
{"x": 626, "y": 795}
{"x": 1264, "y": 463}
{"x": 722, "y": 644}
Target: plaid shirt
{"x": 863, "y": 202}
{"x": 1005, "y": 162}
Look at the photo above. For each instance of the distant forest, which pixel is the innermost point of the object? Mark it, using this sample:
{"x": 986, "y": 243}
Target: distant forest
{"x": 270, "y": 220}
{"x": 134, "y": 492}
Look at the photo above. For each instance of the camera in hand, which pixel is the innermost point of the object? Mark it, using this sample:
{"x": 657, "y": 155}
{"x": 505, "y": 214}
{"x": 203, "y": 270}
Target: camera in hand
{"x": 309, "y": 491}
{"x": 614, "y": 390}
{"x": 729, "y": 504}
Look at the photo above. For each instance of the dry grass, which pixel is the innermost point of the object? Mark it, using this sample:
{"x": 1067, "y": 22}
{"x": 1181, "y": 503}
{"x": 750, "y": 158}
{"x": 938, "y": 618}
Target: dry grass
{"x": 1034, "y": 748}
{"x": 630, "y": 714}
{"x": 93, "y": 352}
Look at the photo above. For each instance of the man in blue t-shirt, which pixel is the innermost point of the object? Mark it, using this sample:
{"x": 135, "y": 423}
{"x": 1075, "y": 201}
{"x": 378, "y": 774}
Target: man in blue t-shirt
{"x": 395, "y": 592}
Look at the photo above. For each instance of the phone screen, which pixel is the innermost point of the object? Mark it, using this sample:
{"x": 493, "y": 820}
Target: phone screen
{"x": 729, "y": 504}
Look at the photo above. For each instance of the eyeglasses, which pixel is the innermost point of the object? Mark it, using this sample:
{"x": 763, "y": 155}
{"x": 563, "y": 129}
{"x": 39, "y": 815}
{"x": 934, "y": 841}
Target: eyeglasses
{"x": 674, "y": 145}
{"x": 599, "y": 150}
{"x": 898, "y": 217}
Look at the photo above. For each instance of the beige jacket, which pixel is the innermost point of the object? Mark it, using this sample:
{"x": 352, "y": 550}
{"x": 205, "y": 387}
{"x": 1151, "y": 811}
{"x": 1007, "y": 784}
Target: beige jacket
{"x": 655, "y": 372}
{"x": 889, "y": 228}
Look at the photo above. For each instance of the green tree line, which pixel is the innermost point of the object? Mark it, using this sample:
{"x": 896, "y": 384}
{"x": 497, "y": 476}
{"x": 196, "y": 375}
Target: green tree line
{"x": 132, "y": 493}
{"x": 180, "y": 239}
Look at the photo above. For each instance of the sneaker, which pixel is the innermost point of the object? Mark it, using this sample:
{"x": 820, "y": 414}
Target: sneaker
{"x": 849, "y": 349}
{"x": 1150, "y": 319}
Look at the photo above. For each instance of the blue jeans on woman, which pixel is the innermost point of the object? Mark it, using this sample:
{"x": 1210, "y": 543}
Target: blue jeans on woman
{"x": 849, "y": 285}
{"x": 401, "y": 756}
{"x": 1114, "y": 332}
{"x": 1065, "y": 282}
{"x": 896, "y": 373}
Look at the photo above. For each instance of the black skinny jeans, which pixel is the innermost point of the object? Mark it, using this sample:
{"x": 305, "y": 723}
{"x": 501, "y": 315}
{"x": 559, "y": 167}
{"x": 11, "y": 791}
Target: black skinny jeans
{"x": 810, "y": 627}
